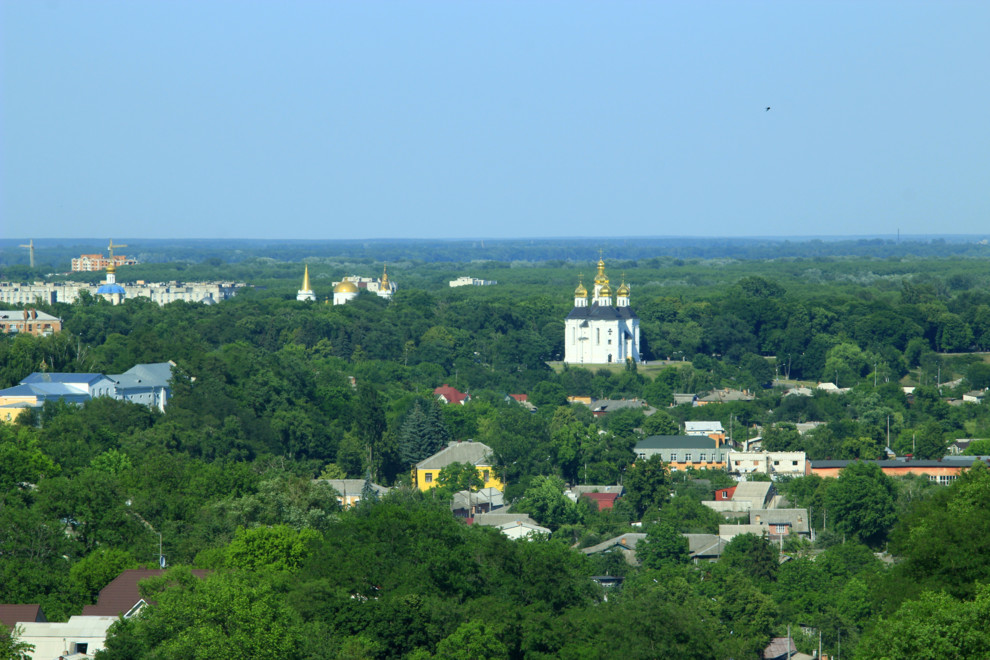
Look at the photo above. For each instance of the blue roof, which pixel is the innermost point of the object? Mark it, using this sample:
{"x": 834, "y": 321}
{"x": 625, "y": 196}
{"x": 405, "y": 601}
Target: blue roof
{"x": 44, "y": 377}
{"x": 111, "y": 288}
{"x": 45, "y": 391}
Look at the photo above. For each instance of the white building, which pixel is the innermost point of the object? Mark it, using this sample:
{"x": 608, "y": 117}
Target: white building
{"x": 80, "y": 636}
{"x": 306, "y": 292}
{"x": 787, "y": 463}
{"x": 471, "y": 281}
{"x": 159, "y": 292}
{"x": 349, "y": 287}
{"x": 601, "y": 333}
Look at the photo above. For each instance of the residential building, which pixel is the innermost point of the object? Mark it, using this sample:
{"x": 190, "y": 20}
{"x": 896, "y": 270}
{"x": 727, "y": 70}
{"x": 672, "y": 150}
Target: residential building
{"x": 776, "y": 463}
{"x": 471, "y": 281}
{"x": 448, "y": 394}
{"x": 601, "y": 333}
{"x": 350, "y": 491}
{"x": 10, "y": 615}
{"x": 91, "y": 385}
{"x": 713, "y": 430}
{"x": 29, "y": 321}
{"x": 161, "y": 293}
{"x": 80, "y": 636}
{"x": 467, "y": 504}
{"x": 772, "y": 523}
{"x": 96, "y": 262}
{"x": 518, "y": 529}
{"x": 624, "y": 544}
{"x": 477, "y": 454}
{"x": 743, "y": 497}
{"x": 686, "y": 398}
{"x": 603, "y": 497}
{"x": 145, "y": 384}
{"x": 602, "y": 407}
{"x": 681, "y": 452}
{"x": 975, "y": 396}
{"x": 121, "y": 596}
{"x": 724, "y": 396}
{"x": 943, "y": 471}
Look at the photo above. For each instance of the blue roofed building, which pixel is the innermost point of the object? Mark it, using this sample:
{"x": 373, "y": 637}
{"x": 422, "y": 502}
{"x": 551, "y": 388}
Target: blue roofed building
{"x": 146, "y": 384}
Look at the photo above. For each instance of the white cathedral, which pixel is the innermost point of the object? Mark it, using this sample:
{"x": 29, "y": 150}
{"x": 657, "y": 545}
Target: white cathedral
{"x": 601, "y": 333}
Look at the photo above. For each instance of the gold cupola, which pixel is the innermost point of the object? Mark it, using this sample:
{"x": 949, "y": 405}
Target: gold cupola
{"x": 580, "y": 291}
{"x": 346, "y": 286}
{"x": 306, "y": 286}
{"x": 384, "y": 284}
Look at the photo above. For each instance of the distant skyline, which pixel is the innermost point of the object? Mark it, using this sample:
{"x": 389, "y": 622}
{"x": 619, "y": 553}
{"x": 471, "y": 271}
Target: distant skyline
{"x": 389, "y": 120}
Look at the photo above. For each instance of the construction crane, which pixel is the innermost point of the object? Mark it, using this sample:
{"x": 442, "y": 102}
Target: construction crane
{"x": 112, "y": 246}
{"x": 30, "y": 246}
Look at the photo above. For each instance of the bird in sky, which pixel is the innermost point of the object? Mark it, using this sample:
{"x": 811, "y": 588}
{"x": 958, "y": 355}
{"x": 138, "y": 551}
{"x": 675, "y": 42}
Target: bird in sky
{"x": 768, "y": 109}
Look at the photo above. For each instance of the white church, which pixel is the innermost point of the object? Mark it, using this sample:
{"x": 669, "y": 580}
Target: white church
{"x": 601, "y": 333}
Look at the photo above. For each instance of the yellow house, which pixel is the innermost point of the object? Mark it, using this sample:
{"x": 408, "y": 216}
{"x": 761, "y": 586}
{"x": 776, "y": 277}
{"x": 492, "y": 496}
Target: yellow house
{"x": 477, "y": 454}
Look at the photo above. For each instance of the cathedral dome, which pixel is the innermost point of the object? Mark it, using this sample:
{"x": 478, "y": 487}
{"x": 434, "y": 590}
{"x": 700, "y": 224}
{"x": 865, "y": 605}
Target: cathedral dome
{"x": 346, "y": 287}
{"x": 623, "y": 291}
{"x": 605, "y": 291}
{"x": 580, "y": 291}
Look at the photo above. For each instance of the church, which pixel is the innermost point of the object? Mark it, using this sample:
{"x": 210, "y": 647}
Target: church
{"x": 601, "y": 333}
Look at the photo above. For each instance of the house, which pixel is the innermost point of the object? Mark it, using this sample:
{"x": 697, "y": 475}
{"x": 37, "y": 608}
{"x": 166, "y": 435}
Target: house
{"x": 776, "y": 463}
{"x": 799, "y": 391}
{"x": 519, "y": 529}
{"x": 705, "y": 547}
{"x": 498, "y": 518}
{"x": 522, "y": 400}
{"x": 681, "y": 452}
{"x": 725, "y": 395}
{"x": 604, "y": 406}
{"x": 975, "y": 396}
{"x": 471, "y": 281}
{"x": 682, "y": 399}
{"x": 959, "y": 446}
{"x": 746, "y": 495}
{"x": 28, "y": 321}
{"x": 586, "y": 400}
{"x": 122, "y": 598}
{"x": 146, "y": 384}
{"x": 603, "y": 496}
{"x": 475, "y": 453}
{"x": 713, "y": 430}
{"x": 625, "y": 544}
{"x": 724, "y": 494}
{"x": 773, "y": 523}
{"x": 350, "y": 491}
{"x": 91, "y": 385}
{"x": 10, "y": 615}
{"x": 19, "y": 397}
{"x": 448, "y": 394}
{"x": 79, "y": 636}
{"x": 467, "y": 504}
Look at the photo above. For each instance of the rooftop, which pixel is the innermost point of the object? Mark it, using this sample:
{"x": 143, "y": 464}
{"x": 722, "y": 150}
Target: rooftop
{"x": 474, "y": 453}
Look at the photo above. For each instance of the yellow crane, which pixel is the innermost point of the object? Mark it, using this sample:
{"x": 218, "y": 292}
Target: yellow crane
{"x": 111, "y": 247}
{"x": 30, "y": 246}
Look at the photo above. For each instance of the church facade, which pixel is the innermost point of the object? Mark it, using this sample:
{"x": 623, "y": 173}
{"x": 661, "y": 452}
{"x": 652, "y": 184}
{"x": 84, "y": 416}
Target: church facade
{"x": 600, "y": 332}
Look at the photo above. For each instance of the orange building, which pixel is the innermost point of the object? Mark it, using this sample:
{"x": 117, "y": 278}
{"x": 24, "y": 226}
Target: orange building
{"x": 92, "y": 262}
{"x": 29, "y": 321}
{"x": 943, "y": 471}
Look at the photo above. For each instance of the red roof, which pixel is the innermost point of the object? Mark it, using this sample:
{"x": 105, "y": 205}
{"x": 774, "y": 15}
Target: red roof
{"x": 122, "y": 593}
{"x": 520, "y": 397}
{"x": 603, "y": 500}
{"x": 11, "y": 614}
{"x": 450, "y": 394}
{"x": 724, "y": 493}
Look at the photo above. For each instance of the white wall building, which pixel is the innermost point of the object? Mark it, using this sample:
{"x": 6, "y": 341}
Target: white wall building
{"x": 601, "y": 333}
{"x": 789, "y": 463}
{"x": 471, "y": 281}
{"x": 80, "y": 635}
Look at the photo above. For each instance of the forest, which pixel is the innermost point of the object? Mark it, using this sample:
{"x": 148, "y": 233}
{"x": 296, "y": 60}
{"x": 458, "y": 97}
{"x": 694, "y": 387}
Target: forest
{"x": 270, "y": 394}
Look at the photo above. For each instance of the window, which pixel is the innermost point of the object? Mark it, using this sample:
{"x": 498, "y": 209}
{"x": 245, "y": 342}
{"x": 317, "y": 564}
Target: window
{"x": 484, "y": 476}
{"x": 80, "y": 647}
{"x": 687, "y": 457}
{"x": 428, "y": 478}
{"x": 673, "y": 456}
{"x": 703, "y": 456}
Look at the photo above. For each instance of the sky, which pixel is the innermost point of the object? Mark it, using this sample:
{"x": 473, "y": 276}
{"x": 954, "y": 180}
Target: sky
{"x": 508, "y": 119}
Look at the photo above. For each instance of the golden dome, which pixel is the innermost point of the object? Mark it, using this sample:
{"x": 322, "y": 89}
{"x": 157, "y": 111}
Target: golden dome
{"x": 384, "y": 281}
{"x": 605, "y": 291}
{"x": 580, "y": 291}
{"x": 346, "y": 286}
{"x": 623, "y": 289}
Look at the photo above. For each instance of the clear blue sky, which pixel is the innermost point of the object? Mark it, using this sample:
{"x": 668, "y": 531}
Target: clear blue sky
{"x": 290, "y": 119}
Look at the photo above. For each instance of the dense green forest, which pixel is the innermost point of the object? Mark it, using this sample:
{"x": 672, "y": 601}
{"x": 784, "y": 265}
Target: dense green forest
{"x": 270, "y": 393}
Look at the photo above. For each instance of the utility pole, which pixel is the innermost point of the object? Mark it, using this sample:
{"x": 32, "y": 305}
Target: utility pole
{"x": 30, "y": 247}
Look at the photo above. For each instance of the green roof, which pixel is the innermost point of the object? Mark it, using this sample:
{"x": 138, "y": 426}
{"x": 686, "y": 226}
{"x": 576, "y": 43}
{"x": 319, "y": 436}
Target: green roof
{"x": 676, "y": 442}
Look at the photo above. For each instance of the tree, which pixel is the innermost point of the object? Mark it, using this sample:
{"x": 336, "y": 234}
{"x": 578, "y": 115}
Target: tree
{"x": 647, "y": 484}
{"x": 935, "y": 626}
{"x": 472, "y": 640}
{"x": 422, "y": 433}
{"x": 861, "y": 502}
{"x": 751, "y": 554}
{"x": 660, "y": 423}
{"x": 546, "y": 501}
{"x": 663, "y": 545}
{"x": 11, "y": 648}
{"x": 456, "y": 477}
{"x": 278, "y": 548}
